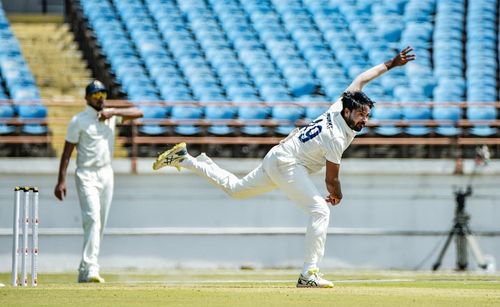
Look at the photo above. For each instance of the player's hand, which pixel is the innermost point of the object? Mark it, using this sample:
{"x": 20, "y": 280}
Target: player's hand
{"x": 105, "y": 114}
{"x": 333, "y": 200}
{"x": 403, "y": 57}
{"x": 60, "y": 191}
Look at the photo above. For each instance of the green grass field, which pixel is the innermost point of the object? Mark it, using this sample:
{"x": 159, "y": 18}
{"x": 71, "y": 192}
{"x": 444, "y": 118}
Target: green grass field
{"x": 258, "y": 288}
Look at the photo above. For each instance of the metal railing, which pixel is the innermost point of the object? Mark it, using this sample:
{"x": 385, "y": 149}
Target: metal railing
{"x": 133, "y": 139}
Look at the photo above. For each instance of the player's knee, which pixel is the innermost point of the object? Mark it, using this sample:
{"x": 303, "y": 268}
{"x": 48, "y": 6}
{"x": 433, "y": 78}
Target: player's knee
{"x": 321, "y": 213}
{"x": 91, "y": 220}
{"x": 324, "y": 212}
{"x": 236, "y": 191}
{"x": 321, "y": 208}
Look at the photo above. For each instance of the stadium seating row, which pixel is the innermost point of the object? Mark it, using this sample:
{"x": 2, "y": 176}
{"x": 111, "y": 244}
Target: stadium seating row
{"x": 271, "y": 50}
{"x": 278, "y": 51}
{"x": 19, "y": 85}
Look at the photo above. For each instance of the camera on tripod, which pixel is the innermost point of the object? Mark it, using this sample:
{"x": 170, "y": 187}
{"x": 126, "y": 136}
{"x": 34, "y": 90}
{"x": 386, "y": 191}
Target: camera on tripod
{"x": 464, "y": 237}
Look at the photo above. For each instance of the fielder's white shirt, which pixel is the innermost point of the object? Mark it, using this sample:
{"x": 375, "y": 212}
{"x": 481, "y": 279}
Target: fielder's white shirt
{"x": 94, "y": 139}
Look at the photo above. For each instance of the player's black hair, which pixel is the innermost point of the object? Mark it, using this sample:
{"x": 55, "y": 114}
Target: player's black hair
{"x": 356, "y": 100}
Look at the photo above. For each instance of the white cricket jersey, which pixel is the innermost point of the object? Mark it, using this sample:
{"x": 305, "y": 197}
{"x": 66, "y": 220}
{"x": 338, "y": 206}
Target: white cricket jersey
{"x": 328, "y": 136}
{"x": 325, "y": 138}
{"x": 94, "y": 139}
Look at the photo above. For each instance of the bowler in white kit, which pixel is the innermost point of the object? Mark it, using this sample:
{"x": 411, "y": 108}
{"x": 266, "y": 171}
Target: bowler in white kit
{"x": 287, "y": 165}
{"x": 92, "y": 132}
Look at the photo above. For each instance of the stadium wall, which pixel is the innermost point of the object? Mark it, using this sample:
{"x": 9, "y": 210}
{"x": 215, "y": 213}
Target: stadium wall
{"x": 395, "y": 214}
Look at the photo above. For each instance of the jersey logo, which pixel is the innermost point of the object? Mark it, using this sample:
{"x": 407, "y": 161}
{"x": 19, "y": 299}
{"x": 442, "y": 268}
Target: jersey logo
{"x": 329, "y": 123}
{"x": 311, "y": 131}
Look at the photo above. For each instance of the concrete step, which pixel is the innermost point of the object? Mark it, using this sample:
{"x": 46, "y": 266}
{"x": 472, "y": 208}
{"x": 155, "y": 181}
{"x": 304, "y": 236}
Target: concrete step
{"x": 53, "y": 58}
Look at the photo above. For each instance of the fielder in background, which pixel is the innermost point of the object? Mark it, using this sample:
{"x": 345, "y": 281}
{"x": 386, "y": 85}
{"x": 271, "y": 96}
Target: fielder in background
{"x": 92, "y": 132}
{"x": 287, "y": 165}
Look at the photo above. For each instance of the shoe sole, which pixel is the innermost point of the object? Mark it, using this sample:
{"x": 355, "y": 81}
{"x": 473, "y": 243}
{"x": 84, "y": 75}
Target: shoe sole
{"x": 307, "y": 286}
{"x": 158, "y": 163}
{"x": 91, "y": 281}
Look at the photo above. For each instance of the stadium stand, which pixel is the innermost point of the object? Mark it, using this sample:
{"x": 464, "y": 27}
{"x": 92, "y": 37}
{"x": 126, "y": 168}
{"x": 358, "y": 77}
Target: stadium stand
{"x": 18, "y": 79}
{"x": 241, "y": 60}
{"x": 58, "y": 67}
{"x": 24, "y": 114}
{"x": 53, "y": 57}
{"x": 229, "y": 68}
{"x": 482, "y": 64}
{"x": 448, "y": 70}
{"x": 277, "y": 51}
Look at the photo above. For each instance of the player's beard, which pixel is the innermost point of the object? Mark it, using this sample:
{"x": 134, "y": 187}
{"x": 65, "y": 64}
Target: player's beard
{"x": 98, "y": 106}
{"x": 353, "y": 125}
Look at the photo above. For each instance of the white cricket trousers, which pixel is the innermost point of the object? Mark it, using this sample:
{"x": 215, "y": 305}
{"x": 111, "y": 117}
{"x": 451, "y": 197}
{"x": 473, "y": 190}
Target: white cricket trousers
{"x": 275, "y": 172}
{"x": 95, "y": 192}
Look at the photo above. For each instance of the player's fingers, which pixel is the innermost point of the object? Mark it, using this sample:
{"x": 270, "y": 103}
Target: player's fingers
{"x": 407, "y": 49}
{"x": 333, "y": 201}
{"x": 403, "y": 55}
{"x": 410, "y": 57}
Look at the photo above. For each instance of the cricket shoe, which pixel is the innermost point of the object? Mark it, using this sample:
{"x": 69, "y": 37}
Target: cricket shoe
{"x": 95, "y": 278}
{"x": 171, "y": 157}
{"x": 313, "y": 279}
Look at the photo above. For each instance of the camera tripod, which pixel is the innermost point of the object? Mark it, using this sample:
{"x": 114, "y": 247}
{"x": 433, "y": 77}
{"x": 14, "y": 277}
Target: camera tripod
{"x": 463, "y": 235}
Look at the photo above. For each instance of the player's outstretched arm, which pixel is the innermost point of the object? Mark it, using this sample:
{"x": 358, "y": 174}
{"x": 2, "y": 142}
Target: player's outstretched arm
{"x": 125, "y": 113}
{"x": 364, "y": 78}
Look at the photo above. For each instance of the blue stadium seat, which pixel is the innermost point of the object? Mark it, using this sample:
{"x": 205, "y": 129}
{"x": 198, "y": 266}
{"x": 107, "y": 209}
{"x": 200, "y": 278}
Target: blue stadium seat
{"x": 220, "y": 112}
{"x": 448, "y": 113}
{"x": 312, "y": 113}
{"x": 253, "y": 113}
{"x": 386, "y": 113}
{"x": 186, "y": 113}
{"x": 286, "y": 113}
{"x": 153, "y": 112}
{"x": 417, "y": 112}
{"x": 32, "y": 111}
{"x": 482, "y": 113}
{"x": 6, "y": 112}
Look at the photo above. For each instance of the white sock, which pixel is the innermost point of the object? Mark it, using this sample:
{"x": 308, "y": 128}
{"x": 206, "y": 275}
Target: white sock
{"x": 307, "y": 266}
